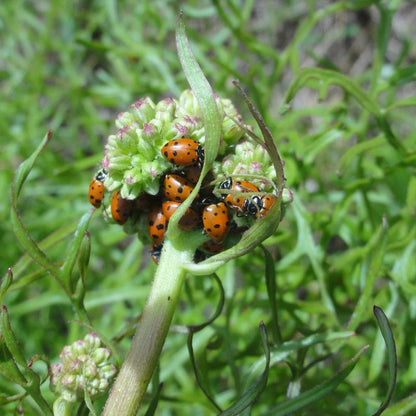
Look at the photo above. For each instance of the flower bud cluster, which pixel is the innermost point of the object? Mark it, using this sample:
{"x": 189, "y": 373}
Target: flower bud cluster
{"x": 83, "y": 365}
{"x": 155, "y": 159}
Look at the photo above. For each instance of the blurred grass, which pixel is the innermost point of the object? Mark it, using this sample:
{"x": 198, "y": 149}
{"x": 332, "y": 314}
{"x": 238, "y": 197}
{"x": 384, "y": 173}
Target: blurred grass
{"x": 72, "y": 66}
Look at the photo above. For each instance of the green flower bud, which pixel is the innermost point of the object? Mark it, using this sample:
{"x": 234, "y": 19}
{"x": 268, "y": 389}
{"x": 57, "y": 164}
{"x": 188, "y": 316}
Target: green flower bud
{"x": 124, "y": 119}
{"x": 165, "y": 110}
{"x": 84, "y": 364}
{"x": 231, "y": 131}
{"x": 101, "y": 355}
{"x": 92, "y": 341}
{"x": 143, "y": 110}
{"x": 188, "y": 104}
{"x": 287, "y": 196}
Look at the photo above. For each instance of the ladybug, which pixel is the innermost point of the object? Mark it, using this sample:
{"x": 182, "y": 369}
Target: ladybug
{"x": 192, "y": 173}
{"x": 189, "y": 221}
{"x": 156, "y": 251}
{"x": 96, "y": 191}
{"x": 120, "y": 208}
{"x": 213, "y": 247}
{"x": 183, "y": 152}
{"x": 216, "y": 220}
{"x": 156, "y": 225}
{"x": 243, "y": 206}
{"x": 177, "y": 188}
{"x": 267, "y": 202}
{"x": 144, "y": 202}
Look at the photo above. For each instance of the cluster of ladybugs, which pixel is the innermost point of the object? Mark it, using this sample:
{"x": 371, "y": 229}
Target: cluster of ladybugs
{"x": 212, "y": 213}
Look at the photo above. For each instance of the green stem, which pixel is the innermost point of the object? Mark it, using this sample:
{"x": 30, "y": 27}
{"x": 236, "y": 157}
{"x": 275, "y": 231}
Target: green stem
{"x": 136, "y": 372}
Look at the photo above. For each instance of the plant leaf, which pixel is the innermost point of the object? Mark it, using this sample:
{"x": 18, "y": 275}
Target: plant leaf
{"x": 209, "y": 110}
{"x": 19, "y": 229}
{"x": 383, "y": 324}
{"x": 270, "y": 273}
{"x": 75, "y": 247}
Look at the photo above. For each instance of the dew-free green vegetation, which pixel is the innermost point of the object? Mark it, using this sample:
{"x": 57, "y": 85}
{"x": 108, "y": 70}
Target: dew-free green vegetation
{"x": 335, "y": 84}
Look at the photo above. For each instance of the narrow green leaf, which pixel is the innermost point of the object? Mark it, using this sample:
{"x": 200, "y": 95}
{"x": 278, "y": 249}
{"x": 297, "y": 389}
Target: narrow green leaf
{"x": 406, "y": 102}
{"x": 209, "y": 110}
{"x": 375, "y": 261}
{"x": 11, "y": 355}
{"x": 5, "y": 284}
{"x": 154, "y": 402}
{"x": 26, "y": 166}
{"x": 84, "y": 255}
{"x": 10, "y": 338}
{"x": 19, "y": 229}
{"x": 404, "y": 75}
{"x": 75, "y": 247}
{"x": 271, "y": 293}
{"x": 268, "y": 141}
{"x": 404, "y": 407}
{"x": 200, "y": 372}
{"x": 216, "y": 314}
{"x": 199, "y": 375}
{"x": 8, "y": 367}
{"x": 50, "y": 241}
{"x": 387, "y": 333}
{"x": 316, "y": 393}
{"x": 250, "y": 396}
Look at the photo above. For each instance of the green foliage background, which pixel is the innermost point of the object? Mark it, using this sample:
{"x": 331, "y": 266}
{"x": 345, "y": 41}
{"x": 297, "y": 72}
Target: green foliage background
{"x": 346, "y": 243}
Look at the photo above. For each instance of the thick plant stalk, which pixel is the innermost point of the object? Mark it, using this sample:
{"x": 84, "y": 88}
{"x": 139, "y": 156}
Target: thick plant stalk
{"x": 137, "y": 370}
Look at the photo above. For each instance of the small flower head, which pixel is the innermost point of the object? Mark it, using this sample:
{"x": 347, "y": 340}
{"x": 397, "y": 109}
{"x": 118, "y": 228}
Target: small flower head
{"x": 83, "y": 364}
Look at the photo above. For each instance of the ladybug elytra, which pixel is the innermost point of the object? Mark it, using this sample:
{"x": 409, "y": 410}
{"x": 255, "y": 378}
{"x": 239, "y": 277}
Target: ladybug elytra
{"x": 156, "y": 225}
{"x": 183, "y": 152}
{"x": 177, "y": 188}
{"x": 216, "y": 220}
{"x": 267, "y": 202}
{"x": 120, "y": 208}
{"x": 189, "y": 221}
